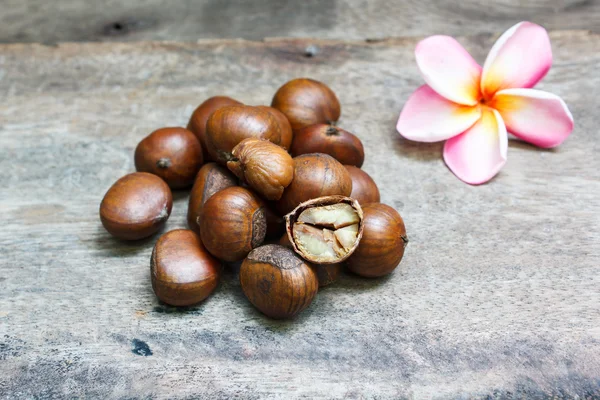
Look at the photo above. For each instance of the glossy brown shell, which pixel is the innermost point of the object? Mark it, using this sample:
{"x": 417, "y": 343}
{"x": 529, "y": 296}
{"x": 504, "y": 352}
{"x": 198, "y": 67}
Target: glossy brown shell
{"x": 182, "y": 271}
{"x": 364, "y": 188}
{"x": 197, "y": 123}
{"x": 315, "y": 175}
{"x": 232, "y": 223}
{"x": 228, "y": 126}
{"x": 174, "y": 154}
{"x": 328, "y": 139}
{"x": 278, "y": 282}
{"x": 306, "y": 102}
{"x": 291, "y": 218}
{"x": 383, "y": 242}
{"x": 211, "y": 178}
{"x": 286, "y": 129}
{"x": 136, "y": 206}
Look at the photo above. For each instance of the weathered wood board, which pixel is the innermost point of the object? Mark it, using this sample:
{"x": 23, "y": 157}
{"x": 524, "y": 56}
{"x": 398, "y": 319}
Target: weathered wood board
{"x": 498, "y": 294}
{"x": 189, "y": 20}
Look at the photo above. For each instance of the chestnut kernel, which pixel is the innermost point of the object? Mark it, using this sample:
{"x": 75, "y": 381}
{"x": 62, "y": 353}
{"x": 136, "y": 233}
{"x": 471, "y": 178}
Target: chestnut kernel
{"x": 197, "y": 123}
{"x": 284, "y": 125}
{"x": 136, "y": 206}
{"x": 364, "y": 188}
{"x": 382, "y": 245}
{"x": 328, "y": 139}
{"x": 232, "y": 223}
{"x": 174, "y": 154}
{"x": 325, "y": 230}
{"x": 315, "y": 175}
{"x": 228, "y": 126}
{"x": 182, "y": 271}
{"x": 210, "y": 179}
{"x": 306, "y": 102}
{"x": 278, "y": 282}
{"x": 266, "y": 167}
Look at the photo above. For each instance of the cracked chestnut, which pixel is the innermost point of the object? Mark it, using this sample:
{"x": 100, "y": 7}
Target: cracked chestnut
{"x": 306, "y": 102}
{"x": 136, "y": 206}
{"x": 232, "y": 223}
{"x": 364, "y": 188}
{"x": 183, "y": 273}
{"x": 278, "y": 282}
{"x": 329, "y": 139}
{"x": 174, "y": 154}
{"x": 382, "y": 245}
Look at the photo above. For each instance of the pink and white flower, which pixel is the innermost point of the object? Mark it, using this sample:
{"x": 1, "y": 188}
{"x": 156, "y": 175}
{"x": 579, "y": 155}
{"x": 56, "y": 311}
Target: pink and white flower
{"x": 472, "y": 108}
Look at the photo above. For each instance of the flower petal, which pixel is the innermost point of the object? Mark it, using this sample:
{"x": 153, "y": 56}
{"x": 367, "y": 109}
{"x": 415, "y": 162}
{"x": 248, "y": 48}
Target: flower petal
{"x": 428, "y": 117}
{"x": 520, "y": 58}
{"x": 478, "y": 154}
{"x": 449, "y": 69}
{"x": 538, "y": 117}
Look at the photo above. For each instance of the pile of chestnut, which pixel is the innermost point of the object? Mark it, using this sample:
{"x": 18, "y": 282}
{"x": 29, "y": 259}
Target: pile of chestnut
{"x": 279, "y": 188}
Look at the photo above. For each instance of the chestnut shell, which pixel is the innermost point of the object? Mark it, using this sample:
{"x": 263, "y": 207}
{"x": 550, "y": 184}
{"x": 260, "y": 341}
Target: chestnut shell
{"x": 364, "y": 188}
{"x": 286, "y": 129}
{"x": 328, "y": 139}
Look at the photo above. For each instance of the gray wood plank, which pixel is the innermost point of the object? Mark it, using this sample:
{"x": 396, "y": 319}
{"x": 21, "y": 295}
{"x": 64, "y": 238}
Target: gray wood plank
{"x": 190, "y": 20}
{"x": 498, "y": 294}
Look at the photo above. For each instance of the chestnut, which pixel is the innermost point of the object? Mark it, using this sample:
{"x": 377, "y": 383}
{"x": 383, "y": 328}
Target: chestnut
{"x": 210, "y": 179}
{"x": 307, "y": 102}
{"x": 182, "y": 271}
{"x": 136, "y": 206}
{"x": 278, "y": 282}
{"x": 382, "y": 245}
{"x": 228, "y": 126}
{"x": 315, "y": 175}
{"x": 232, "y": 223}
{"x": 266, "y": 167}
{"x": 322, "y": 138}
{"x": 364, "y": 188}
{"x": 174, "y": 154}
{"x": 325, "y": 230}
{"x": 284, "y": 125}
{"x": 197, "y": 123}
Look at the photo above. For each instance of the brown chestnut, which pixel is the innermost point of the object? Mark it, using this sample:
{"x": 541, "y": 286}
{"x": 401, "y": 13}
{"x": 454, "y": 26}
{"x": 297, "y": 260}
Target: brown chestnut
{"x": 278, "y": 282}
{"x": 322, "y": 138}
{"x": 174, "y": 154}
{"x": 286, "y": 129}
{"x": 325, "y": 230}
{"x": 182, "y": 271}
{"x": 210, "y": 179}
{"x": 266, "y": 167}
{"x": 197, "y": 123}
{"x": 307, "y": 102}
{"x": 228, "y": 126}
{"x": 364, "y": 188}
{"x": 232, "y": 223}
{"x": 136, "y": 206}
{"x": 382, "y": 245}
{"x": 315, "y": 175}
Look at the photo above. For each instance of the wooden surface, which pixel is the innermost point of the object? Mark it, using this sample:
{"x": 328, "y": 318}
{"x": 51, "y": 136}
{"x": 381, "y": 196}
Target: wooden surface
{"x": 190, "y": 20}
{"x": 497, "y": 296}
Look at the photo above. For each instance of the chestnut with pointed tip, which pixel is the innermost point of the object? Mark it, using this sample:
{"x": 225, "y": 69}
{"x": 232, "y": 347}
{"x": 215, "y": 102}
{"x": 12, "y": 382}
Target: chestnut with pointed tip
{"x": 174, "y": 154}
{"x": 232, "y": 223}
{"x": 383, "y": 242}
{"x": 211, "y": 178}
{"x": 286, "y": 129}
{"x": 182, "y": 272}
{"x": 266, "y": 167}
{"x": 364, "y": 188}
{"x": 306, "y": 102}
{"x": 315, "y": 175}
{"x": 329, "y": 139}
{"x": 228, "y": 126}
{"x": 136, "y": 206}
{"x": 197, "y": 123}
{"x": 278, "y": 282}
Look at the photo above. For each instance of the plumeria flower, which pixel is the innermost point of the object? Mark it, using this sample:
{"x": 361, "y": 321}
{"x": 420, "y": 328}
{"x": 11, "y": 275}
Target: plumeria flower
{"x": 472, "y": 108}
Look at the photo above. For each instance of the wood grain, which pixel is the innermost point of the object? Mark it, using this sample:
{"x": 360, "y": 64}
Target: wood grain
{"x": 190, "y": 20}
{"x": 497, "y": 296}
